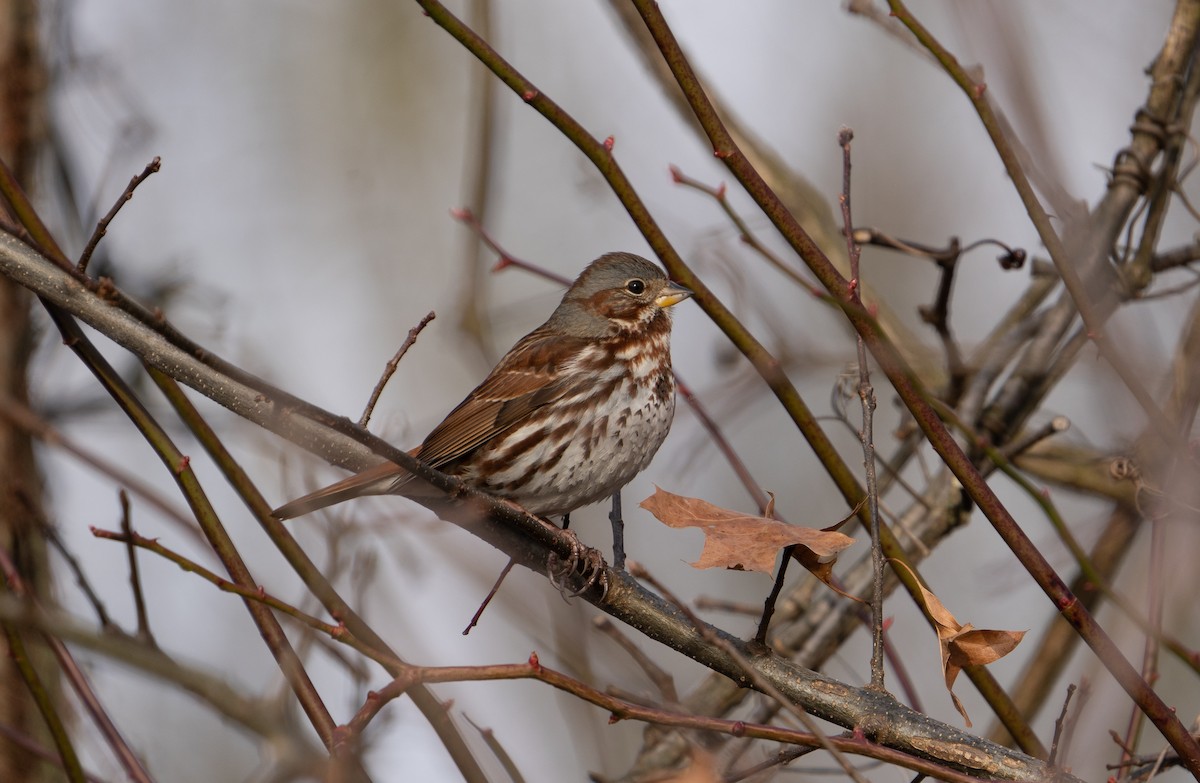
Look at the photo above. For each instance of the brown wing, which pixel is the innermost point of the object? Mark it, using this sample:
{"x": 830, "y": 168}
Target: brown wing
{"x": 528, "y": 377}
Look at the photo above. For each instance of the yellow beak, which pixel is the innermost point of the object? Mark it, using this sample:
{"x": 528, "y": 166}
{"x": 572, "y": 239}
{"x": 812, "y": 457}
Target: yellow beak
{"x": 671, "y": 295}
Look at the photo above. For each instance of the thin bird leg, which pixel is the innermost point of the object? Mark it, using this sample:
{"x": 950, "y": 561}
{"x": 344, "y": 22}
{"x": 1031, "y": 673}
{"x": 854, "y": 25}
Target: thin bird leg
{"x": 618, "y": 527}
{"x": 487, "y": 600}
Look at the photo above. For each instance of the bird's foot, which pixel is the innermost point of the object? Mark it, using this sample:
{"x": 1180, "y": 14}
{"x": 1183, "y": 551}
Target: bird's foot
{"x": 581, "y": 571}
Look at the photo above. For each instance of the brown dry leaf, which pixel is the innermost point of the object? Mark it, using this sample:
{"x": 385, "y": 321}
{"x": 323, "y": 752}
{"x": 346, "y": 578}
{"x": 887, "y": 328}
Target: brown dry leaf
{"x": 980, "y": 646}
{"x": 935, "y": 610}
{"x": 822, "y": 570}
{"x": 742, "y": 541}
{"x": 964, "y": 645}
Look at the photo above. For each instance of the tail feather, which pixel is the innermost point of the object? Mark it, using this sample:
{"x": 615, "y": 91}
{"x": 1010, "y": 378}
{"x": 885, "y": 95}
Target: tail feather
{"x": 378, "y": 480}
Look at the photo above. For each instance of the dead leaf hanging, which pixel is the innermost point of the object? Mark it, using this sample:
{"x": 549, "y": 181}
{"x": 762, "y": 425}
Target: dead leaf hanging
{"x": 745, "y": 542}
{"x": 963, "y": 645}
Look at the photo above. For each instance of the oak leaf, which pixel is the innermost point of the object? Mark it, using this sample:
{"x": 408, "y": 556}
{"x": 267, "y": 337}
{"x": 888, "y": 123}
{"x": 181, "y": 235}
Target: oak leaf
{"x": 745, "y": 542}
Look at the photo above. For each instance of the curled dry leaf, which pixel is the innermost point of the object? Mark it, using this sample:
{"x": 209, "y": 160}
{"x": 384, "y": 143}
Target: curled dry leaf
{"x": 964, "y": 645}
{"x": 745, "y": 542}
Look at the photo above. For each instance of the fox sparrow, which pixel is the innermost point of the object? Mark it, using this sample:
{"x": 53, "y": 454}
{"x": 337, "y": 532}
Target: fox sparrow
{"x": 572, "y": 412}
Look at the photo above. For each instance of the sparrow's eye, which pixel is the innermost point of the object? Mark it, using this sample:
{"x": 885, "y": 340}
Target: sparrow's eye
{"x": 635, "y": 286}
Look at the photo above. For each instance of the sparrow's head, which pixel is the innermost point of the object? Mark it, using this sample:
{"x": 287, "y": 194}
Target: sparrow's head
{"x": 618, "y": 292}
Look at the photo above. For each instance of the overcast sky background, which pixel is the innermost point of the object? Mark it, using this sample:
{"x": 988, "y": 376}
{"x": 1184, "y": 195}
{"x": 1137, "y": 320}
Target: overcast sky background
{"x": 311, "y": 154}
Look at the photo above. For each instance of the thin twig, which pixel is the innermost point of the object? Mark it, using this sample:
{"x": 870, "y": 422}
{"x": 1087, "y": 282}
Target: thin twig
{"x": 719, "y": 194}
{"x": 1072, "y": 723}
{"x": 803, "y": 198}
{"x": 1012, "y": 258}
{"x": 505, "y": 259}
{"x": 937, "y": 315}
{"x": 487, "y": 599}
{"x": 1059, "y": 726}
{"x": 755, "y": 770}
{"x": 102, "y": 226}
{"x": 1154, "y": 614}
{"x": 390, "y": 369}
{"x": 1055, "y": 426}
{"x": 135, "y": 579}
{"x": 1176, "y": 257}
{"x": 839, "y": 398}
{"x": 85, "y": 585}
{"x": 760, "y": 497}
{"x": 1113, "y": 544}
{"x": 866, "y": 395}
{"x": 257, "y": 594}
{"x": 499, "y": 751}
{"x": 769, "y": 603}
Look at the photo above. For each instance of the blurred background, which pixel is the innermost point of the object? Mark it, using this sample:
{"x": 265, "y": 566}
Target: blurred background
{"x": 312, "y": 153}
